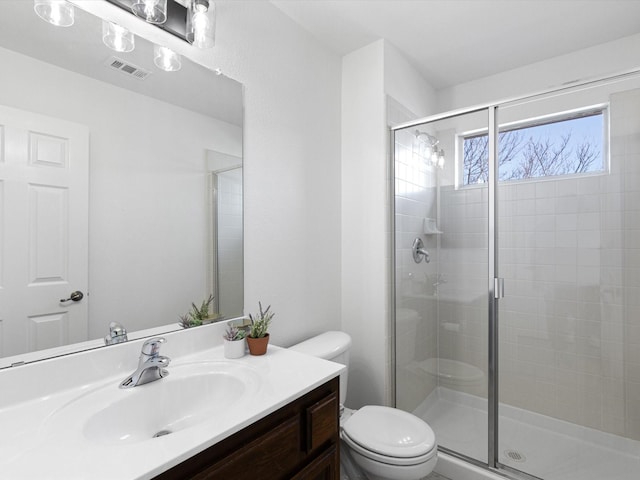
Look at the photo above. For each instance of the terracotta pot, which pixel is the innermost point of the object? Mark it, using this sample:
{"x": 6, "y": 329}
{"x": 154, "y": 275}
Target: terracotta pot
{"x": 258, "y": 346}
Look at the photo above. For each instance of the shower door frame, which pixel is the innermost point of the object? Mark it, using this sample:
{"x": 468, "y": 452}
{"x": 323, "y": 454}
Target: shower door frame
{"x": 495, "y": 286}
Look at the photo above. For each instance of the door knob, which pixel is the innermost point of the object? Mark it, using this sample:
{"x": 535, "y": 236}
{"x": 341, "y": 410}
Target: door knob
{"x": 74, "y": 297}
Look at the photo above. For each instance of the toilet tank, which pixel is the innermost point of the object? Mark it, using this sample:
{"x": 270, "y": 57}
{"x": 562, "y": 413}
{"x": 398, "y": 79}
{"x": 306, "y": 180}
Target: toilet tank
{"x": 333, "y": 346}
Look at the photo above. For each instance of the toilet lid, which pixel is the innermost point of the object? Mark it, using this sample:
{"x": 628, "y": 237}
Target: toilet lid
{"x": 391, "y": 432}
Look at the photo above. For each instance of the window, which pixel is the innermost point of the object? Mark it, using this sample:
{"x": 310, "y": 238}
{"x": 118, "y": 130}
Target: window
{"x": 566, "y": 144}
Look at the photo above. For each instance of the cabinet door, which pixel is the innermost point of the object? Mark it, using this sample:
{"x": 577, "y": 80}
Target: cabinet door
{"x": 325, "y": 467}
{"x": 322, "y": 422}
{"x": 271, "y": 456}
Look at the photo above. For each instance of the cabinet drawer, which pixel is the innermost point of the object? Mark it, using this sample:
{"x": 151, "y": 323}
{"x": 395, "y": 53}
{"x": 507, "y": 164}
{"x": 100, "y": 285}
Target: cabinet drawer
{"x": 322, "y": 422}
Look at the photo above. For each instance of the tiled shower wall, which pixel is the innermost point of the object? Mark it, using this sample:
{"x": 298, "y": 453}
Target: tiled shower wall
{"x": 464, "y": 266}
{"x": 230, "y": 268}
{"x": 416, "y": 314}
{"x": 570, "y": 256}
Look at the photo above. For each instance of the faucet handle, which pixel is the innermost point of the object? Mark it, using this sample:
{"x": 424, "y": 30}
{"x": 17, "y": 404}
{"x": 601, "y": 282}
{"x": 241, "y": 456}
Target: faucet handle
{"x": 152, "y": 346}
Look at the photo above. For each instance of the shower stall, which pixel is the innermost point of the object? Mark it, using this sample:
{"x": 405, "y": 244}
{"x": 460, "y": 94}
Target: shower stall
{"x": 516, "y": 281}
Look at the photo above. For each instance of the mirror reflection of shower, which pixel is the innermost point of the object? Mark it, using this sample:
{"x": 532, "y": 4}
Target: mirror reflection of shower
{"x": 429, "y": 148}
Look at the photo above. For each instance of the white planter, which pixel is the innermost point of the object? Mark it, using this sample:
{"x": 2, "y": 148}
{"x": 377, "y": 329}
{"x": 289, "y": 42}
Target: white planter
{"x": 234, "y": 349}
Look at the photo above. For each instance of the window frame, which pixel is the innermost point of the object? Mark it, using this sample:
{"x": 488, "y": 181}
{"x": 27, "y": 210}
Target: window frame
{"x": 557, "y": 117}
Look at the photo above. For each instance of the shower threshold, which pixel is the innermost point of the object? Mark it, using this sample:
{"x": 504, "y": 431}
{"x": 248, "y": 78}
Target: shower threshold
{"x": 536, "y": 444}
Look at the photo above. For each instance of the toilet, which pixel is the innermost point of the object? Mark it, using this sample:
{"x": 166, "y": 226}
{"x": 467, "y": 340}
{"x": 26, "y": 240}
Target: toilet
{"x": 386, "y": 443}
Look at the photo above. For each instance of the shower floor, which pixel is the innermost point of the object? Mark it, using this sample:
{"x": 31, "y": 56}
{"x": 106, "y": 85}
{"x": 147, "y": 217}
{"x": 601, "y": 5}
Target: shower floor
{"x": 536, "y": 444}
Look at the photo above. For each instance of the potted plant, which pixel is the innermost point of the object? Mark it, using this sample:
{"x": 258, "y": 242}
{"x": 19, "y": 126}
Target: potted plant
{"x": 186, "y": 321}
{"x": 258, "y": 338}
{"x": 234, "y": 343}
{"x": 199, "y": 315}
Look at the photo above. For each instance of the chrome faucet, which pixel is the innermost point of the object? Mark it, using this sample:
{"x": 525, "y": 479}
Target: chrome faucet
{"x": 150, "y": 365}
{"x": 117, "y": 334}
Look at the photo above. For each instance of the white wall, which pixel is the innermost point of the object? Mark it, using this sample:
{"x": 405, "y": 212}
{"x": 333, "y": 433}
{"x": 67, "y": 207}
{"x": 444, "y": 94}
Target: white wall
{"x": 369, "y": 75}
{"x": 405, "y": 85}
{"x": 291, "y": 160}
{"x": 365, "y": 223}
{"x": 605, "y": 59}
{"x": 292, "y": 166}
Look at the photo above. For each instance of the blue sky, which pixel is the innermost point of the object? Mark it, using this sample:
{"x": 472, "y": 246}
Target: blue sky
{"x": 582, "y": 129}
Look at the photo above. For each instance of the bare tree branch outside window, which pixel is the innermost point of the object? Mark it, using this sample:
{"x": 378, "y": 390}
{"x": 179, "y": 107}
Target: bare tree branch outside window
{"x": 527, "y": 153}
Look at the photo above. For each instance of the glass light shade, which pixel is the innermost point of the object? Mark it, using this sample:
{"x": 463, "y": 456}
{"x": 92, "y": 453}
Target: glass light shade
{"x": 166, "y": 59}
{"x": 117, "y": 38}
{"x": 201, "y": 23}
{"x": 434, "y": 155}
{"x": 153, "y": 11}
{"x": 57, "y": 12}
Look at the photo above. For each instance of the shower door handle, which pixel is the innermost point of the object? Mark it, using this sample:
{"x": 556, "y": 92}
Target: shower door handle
{"x": 498, "y": 288}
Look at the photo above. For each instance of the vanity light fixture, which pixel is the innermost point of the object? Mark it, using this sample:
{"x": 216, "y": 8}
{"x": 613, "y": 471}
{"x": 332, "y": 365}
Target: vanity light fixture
{"x": 57, "y": 12}
{"x": 153, "y": 11}
{"x": 201, "y": 23}
{"x": 193, "y": 21}
{"x": 117, "y": 38}
{"x": 166, "y": 59}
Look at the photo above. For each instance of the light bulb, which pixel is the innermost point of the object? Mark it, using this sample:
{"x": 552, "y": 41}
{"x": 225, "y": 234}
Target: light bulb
{"x": 166, "y": 59}
{"x": 201, "y": 23}
{"x": 434, "y": 155}
{"x": 117, "y": 38}
{"x": 200, "y": 26}
{"x": 153, "y": 11}
{"x": 57, "y": 12}
{"x": 148, "y": 9}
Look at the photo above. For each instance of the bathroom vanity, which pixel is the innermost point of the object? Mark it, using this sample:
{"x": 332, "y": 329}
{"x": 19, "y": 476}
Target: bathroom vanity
{"x": 268, "y": 417}
{"x": 298, "y": 441}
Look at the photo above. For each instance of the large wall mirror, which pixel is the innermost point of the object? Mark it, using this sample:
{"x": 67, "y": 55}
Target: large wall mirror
{"x": 118, "y": 180}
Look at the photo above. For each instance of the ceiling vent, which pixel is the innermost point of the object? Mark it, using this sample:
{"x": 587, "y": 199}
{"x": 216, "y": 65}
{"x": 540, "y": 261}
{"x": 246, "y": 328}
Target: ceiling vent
{"x": 127, "y": 68}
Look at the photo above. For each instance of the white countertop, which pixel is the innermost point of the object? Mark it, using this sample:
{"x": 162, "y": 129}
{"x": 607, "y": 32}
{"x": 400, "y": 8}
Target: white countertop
{"x": 34, "y": 446}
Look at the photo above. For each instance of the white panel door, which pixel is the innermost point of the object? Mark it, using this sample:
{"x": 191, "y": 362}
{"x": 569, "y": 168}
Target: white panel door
{"x": 44, "y": 174}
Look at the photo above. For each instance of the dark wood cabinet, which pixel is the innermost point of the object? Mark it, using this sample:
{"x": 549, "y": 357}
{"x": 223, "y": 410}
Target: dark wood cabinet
{"x": 325, "y": 467}
{"x": 300, "y": 441}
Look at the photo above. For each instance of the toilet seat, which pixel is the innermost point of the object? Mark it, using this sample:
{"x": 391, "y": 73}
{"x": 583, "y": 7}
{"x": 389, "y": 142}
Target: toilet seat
{"x": 389, "y": 435}
{"x": 395, "y": 461}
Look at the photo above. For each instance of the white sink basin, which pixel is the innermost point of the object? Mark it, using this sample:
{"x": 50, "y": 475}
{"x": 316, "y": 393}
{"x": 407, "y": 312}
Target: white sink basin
{"x": 74, "y": 423}
{"x": 193, "y": 394}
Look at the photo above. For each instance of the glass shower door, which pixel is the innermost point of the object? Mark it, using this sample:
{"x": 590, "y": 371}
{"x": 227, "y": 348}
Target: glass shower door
{"x": 441, "y": 257}
{"x": 518, "y": 339}
{"x": 569, "y": 201}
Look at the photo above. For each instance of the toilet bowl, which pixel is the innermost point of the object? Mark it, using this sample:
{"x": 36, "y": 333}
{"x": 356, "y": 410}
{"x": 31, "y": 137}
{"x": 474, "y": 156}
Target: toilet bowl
{"x": 386, "y": 443}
